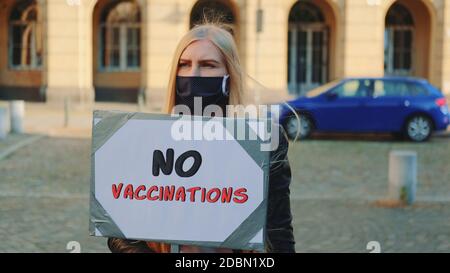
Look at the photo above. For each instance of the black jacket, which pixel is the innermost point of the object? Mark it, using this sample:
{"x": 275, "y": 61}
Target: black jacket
{"x": 280, "y": 237}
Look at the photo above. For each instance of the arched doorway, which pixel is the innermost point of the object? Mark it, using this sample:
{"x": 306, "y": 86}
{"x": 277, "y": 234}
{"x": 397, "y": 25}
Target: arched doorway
{"x": 399, "y": 41}
{"x": 308, "y": 47}
{"x": 407, "y": 39}
{"x": 117, "y": 50}
{"x": 215, "y": 10}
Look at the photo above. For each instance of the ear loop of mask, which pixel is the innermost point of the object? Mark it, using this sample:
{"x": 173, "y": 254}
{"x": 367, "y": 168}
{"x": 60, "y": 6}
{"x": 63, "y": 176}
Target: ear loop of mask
{"x": 224, "y": 85}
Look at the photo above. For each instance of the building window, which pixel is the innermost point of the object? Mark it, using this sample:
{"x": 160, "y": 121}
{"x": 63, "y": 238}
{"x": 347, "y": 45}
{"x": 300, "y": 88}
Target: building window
{"x": 25, "y": 36}
{"x": 120, "y": 37}
{"x": 399, "y": 40}
{"x": 307, "y": 48}
{"x": 207, "y": 10}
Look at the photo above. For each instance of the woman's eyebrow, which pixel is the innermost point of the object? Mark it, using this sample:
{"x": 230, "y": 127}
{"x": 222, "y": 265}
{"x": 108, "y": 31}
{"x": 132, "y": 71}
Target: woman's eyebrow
{"x": 209, "y": 61}
{"x": 201, "y": 61}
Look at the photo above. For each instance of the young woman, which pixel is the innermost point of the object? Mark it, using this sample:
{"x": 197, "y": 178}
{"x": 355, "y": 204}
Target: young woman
{"x": 206, "y": 65}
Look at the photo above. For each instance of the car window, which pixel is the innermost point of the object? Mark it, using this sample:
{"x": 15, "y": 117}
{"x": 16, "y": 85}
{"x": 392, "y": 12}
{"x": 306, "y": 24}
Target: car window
{"x": 416, "y": 89}
{"x": 383, "y": 88}
{"x": 322, "y": 89}
{"x": 353, "y": 88}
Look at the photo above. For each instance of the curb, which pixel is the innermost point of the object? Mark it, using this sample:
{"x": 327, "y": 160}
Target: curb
{"x": 10, "y": 150}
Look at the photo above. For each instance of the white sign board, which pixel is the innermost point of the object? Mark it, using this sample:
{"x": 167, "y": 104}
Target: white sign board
{"x": 148, "y": 185}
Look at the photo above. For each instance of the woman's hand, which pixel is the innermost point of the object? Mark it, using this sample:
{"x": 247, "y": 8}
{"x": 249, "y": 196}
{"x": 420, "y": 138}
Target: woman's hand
{"x": 117, "y": 245}
{"x": 250, "y": 251}
{"x": 198, "y": 249}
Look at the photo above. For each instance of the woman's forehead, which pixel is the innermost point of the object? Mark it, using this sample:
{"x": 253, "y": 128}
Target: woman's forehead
{"x": 202, "y": 49}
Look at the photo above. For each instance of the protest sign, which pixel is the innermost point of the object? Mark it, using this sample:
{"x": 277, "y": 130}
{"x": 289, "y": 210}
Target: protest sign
{"x": 148, "y": 184}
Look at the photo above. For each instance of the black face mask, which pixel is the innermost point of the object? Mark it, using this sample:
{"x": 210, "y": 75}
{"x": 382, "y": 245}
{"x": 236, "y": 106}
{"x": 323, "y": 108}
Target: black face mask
{"x": 212, "y": 91}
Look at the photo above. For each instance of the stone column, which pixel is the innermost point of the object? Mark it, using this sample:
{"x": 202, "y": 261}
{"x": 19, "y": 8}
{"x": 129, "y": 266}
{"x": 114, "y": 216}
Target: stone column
{"x": 164, "y": 22}
{"x": 68, "y": 58}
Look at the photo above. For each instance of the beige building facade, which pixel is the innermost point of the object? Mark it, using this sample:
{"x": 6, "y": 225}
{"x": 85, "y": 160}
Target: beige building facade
{"x": 119, "y": 50}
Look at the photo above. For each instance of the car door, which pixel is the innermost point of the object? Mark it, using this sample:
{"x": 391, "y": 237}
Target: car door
{"x": 343, "y": 107}
{"x": 388, "y": 105}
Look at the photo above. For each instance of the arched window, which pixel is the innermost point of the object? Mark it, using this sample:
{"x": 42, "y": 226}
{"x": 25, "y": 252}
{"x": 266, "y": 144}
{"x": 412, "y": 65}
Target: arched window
{"x": 304, "y": 12}
{"x": 307, "y": 48}
{"x": 212, "y": 10}
{"x": 120, "y": 37}
{"x": 25, "y": 36}
{"x": 399, "y": 39}
{"x": 399, "y": 15}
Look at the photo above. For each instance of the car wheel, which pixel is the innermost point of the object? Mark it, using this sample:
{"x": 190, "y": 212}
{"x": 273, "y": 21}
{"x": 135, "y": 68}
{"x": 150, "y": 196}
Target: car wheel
{"x": 418, "y": 128}
{"x": 298, "y": 128}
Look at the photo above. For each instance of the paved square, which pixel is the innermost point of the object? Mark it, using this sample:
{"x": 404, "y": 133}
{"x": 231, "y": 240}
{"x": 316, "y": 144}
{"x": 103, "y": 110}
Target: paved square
{"x": 44, "y": 197}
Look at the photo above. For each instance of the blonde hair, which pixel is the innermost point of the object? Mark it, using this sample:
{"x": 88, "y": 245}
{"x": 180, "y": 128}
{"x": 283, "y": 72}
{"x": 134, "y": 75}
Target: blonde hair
{"x": 218, "y": 34}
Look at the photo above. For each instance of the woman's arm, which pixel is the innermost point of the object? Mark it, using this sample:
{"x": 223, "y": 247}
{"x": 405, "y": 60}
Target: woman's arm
{"x": 279, "y": 218}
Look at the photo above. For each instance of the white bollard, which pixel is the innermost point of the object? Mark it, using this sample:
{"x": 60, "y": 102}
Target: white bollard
{"x": 3, "y": 122}
{"x": 17, "y": 113}
{"x": 141, "y": 102}
{"x": 403, "y": 176}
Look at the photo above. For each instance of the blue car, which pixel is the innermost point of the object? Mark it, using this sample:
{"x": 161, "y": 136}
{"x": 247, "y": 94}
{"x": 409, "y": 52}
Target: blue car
{"x": 403, "y": 106}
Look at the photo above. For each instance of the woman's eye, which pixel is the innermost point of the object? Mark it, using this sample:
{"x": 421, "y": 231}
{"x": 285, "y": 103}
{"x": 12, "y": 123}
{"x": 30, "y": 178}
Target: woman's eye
{"x": 209, "y": 65}
{"x": 182, "y": 65}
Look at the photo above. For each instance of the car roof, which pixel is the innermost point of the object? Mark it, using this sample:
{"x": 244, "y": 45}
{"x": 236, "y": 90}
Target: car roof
{"x": 397, "y": 78}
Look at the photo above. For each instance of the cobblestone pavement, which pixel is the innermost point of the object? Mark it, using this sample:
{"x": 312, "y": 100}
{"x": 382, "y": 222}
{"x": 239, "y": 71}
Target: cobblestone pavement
{"x": 44, "y": 197}
{"x": 358, "y": 168}
{"x": 337, "y": 187}
{"x": 349, "y": 225}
